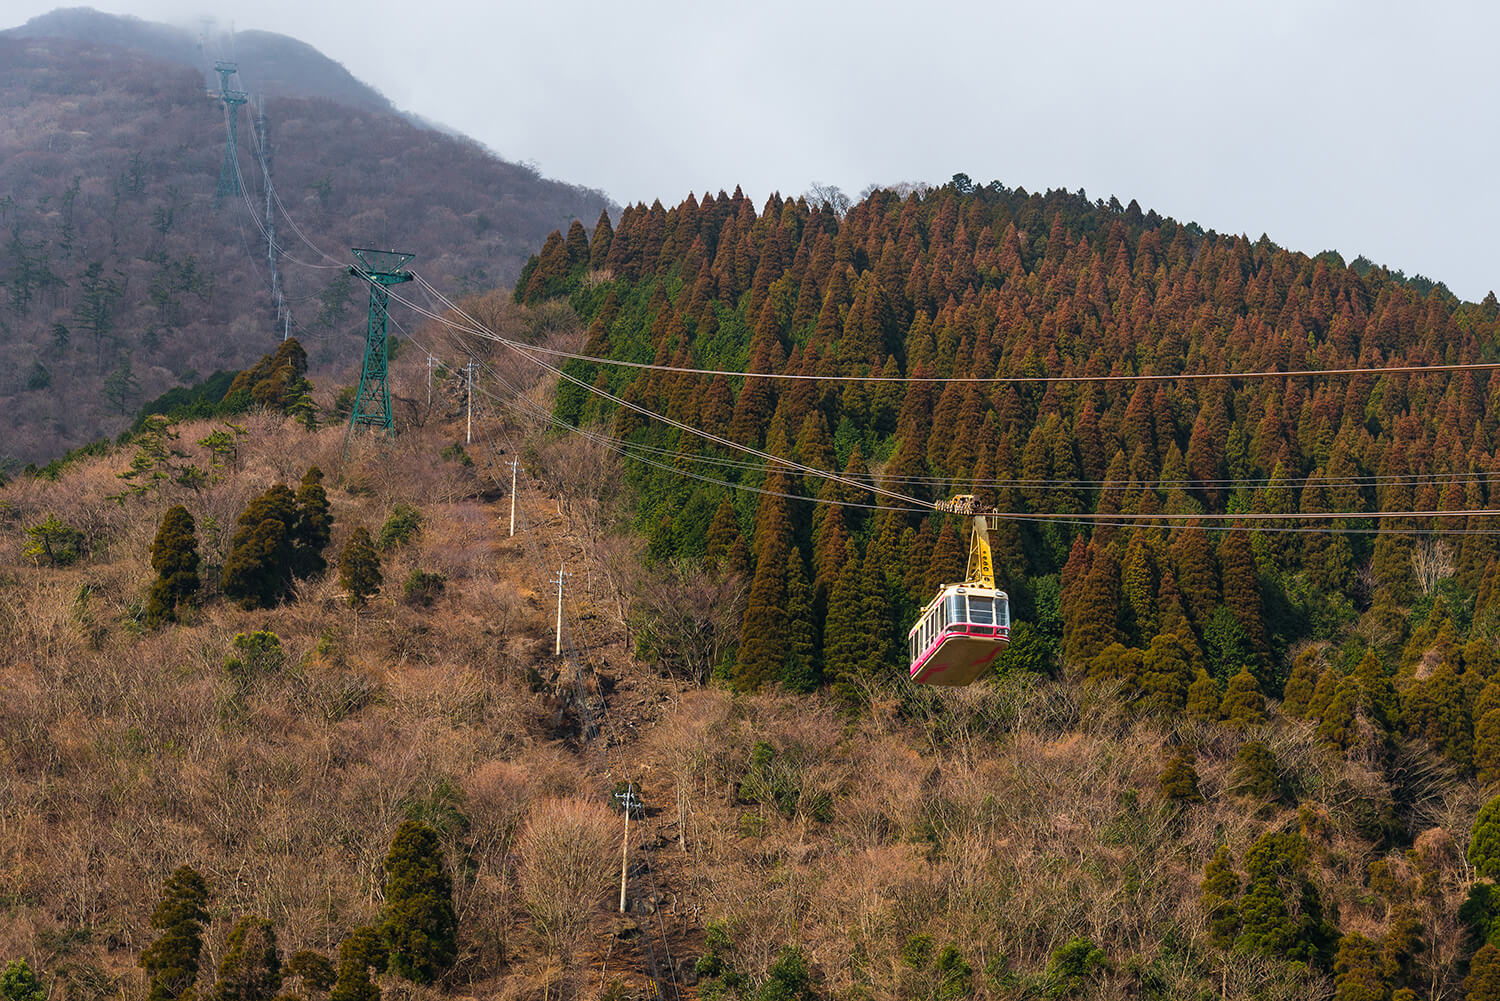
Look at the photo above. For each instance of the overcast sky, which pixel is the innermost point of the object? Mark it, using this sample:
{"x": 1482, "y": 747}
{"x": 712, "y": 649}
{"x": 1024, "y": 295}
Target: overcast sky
{"x": 1367, "y": 128}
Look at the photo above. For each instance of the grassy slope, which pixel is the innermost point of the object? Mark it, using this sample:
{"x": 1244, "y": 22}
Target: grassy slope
{"x": 1003, "y": 820}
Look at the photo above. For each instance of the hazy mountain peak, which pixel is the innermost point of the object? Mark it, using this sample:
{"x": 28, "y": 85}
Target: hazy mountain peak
{"x": 270, "y": 64}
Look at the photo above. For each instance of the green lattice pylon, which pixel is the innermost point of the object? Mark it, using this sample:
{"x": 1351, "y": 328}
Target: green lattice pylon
{"x": 229, "y": 174}
{"x": 372, "y": 405}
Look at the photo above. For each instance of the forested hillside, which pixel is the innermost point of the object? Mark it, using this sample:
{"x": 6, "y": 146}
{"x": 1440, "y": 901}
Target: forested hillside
{"x": 1366, "y": 645}
{"x": 122, "y": 274}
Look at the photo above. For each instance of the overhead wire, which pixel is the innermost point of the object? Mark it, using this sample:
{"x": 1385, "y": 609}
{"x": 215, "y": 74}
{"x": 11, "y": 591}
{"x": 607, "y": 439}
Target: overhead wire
{"x": 682, "y": 426}
{"x": 255, "y": 217}
{"x": 477, "y": 329}
{"x": 1028, "y": 379}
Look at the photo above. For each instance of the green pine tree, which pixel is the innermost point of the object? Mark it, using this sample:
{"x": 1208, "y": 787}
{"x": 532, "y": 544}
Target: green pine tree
{"x": 1255, "y": 772}
{"x": 1323, "y": 692}
{"x": 1220, "y": 893}
{"x": 419, "y": 923}
{"x": 599, "y": 242}
{"x": 1179, "y": 779}
{"x": 1298, "y": 691}
{"x": 311, "y": 968}
{"x": 174, "y": 557}
{"x": 1243, "y": 704}
{"x": 1358, "y": 972}
{"x": 1241, "y": 589}
{"x": 801, "y": 672}
{"x": 18, "y": 983}
{"x": 257, "y": 572}
{"x": 843, "y": 646}
{"x": 1166, "y": 675}
{"x": 1484, "y": 841}
{"x": 1436, "y": 708}
{"x": 1483, "y": 981}
{"x": 359, "y": 568}
{"x": 1338, "y": 729}
{"x": 361, "y": 952}
{"x": 251, "y": 968}
{"x": 1487, "y": 747}
{"x": 1116, "y": 664}
{"x": 313, "y": 529}
{"x": 172, "y": 960}
{"x": 722, "y": 531}
{"x": 1281, "y": 914}
{"x": 1203, "y": 698}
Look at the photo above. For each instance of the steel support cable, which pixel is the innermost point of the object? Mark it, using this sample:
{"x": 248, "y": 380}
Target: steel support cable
{"x": 523, "y": 349}
{"x": 280, "y": 250}
{"x": 1034, "y": 379}
{"x": 615, "y": 445}
{"x": 1241, "y": 516}
{"x": 1337, "y": 480}
{"x": 276, "y": 196}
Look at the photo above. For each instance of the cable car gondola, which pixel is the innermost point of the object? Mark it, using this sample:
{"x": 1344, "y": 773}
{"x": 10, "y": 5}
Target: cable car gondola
{"x": 962, "y": 630}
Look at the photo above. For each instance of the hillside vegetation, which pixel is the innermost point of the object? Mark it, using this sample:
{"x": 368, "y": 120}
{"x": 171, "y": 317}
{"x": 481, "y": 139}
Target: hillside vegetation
{"x": 1246, "y": 764}
{"x": 881, "y": 842}
{"x": 122, "y": 275}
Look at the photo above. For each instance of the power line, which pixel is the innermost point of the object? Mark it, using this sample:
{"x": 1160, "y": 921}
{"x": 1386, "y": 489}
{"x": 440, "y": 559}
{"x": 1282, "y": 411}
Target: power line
{"x": 1031, "y": 379}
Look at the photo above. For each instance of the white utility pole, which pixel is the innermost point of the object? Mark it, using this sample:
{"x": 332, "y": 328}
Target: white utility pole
{"x": 557, "y": 650}
{"x": 513, "y": 464}
{"x": 629, "y": 802}
{"x": 429, "y": 378}
{"x": 469, "y": 432}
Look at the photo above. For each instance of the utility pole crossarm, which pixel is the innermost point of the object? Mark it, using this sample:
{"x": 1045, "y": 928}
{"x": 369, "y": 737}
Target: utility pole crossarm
{"x": 629, "y": 803}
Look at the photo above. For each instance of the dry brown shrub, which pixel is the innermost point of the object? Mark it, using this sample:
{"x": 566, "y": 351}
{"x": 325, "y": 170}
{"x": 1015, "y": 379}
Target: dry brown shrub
{"x": 565, "y": 867}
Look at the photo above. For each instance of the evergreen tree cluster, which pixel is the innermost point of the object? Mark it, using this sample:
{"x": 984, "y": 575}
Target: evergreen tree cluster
{"x": 174, "y": 557}
{"x": 277, "y": 382}
{"x": 1375, "y": 636}
{"x": 417, "y": 939}
{"x": 279, "y": 540}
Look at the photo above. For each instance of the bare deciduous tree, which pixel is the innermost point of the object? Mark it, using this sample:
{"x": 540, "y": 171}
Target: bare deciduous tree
{"x": 688, "y": 616}
{"x": 1432, "y": 561}
{"x": 828, "y": 194}
{"x": 565, "y": 867}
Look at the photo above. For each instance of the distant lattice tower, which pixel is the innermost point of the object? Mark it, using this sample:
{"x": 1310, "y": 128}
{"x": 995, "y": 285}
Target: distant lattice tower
{"x": 229, "y": 174}
{"x": 381, "y": 268}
